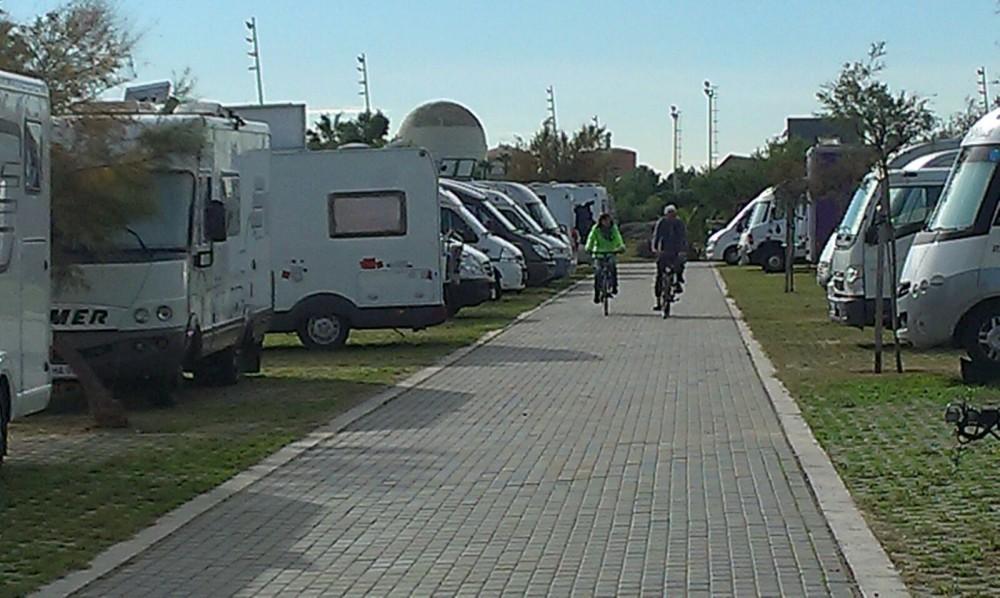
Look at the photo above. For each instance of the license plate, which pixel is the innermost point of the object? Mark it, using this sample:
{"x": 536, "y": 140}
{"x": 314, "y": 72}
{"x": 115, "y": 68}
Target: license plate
{"x": 62, "y": 372}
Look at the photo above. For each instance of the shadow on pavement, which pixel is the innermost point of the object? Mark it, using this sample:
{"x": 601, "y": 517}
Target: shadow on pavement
{"x": 433, "y": 405}
{"x": 494, "y": 355}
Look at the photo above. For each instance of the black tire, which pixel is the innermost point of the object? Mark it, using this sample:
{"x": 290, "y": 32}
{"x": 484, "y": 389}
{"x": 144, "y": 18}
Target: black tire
{"x": 731, "y": 256}
{"x": 5, "y": 415}
{"x": 253, "y": 352}
{"x": 981, "y": 337}
{"x": 160, "y": 390}
{"x": 325, "y": 331}
{"x": 497, "y": 288}
{"x": 774, "y": 261}
{"x": 221, "y": 369}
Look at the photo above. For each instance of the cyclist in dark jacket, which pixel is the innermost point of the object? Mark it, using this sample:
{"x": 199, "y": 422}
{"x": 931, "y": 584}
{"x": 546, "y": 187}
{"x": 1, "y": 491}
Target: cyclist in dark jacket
{"x": 670, "y": 247}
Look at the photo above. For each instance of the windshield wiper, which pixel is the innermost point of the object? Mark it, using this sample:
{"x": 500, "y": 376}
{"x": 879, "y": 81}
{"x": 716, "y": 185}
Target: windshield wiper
{"x": 138, "y": 238}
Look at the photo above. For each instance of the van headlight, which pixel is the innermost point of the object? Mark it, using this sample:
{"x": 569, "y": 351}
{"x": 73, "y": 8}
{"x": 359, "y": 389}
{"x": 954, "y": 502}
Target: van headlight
{"x": 141, "y": 315}
{"x": 542, "y": 251}
{"x": 164, "y": 313}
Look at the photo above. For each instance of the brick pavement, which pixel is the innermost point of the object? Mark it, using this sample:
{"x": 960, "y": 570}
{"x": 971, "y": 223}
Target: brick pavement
{"x": 573, "y": 454}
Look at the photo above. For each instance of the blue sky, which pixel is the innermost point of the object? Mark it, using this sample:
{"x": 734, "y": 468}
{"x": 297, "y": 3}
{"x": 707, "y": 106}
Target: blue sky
{"x": 625, "y": 61}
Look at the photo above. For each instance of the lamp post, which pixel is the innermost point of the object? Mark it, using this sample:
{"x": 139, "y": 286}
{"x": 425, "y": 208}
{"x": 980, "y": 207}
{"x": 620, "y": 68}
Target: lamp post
{"x": 710, "y": 93}
{"x": 255, "y": 54}
{"x": 675, "y": 115}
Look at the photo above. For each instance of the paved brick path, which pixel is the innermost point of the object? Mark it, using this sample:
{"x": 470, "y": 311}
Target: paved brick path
{"x": 572, "y": 455}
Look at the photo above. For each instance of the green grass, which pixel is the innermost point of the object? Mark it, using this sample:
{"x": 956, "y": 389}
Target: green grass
{"x": 886, "y": 436}
{"x": 56, "y": 516}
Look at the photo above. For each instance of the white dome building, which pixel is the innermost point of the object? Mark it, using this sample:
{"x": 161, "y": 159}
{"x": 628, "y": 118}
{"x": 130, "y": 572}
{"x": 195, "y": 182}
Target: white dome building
{"x": 448, "y": 130}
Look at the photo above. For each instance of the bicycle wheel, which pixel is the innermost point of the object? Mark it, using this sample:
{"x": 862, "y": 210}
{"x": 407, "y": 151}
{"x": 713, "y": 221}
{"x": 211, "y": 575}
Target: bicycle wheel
{"x": 606, "y": 299}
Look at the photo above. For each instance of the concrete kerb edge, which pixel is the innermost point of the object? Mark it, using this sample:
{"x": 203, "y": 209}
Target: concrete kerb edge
{"x": 871, "y": 567}
{"x": 122, "y": 552}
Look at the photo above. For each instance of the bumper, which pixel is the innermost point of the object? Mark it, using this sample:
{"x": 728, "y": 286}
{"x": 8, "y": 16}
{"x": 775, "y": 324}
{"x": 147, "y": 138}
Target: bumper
{"x": 125, "y": 356}
{"x": 469, "y": 293}
{"x": 540, "y": 273}
{"x": 922, "y": 332}
{"x": 856, "y": 311}
{"x": 563, "y": 266}
{"x": 512, "y": 275}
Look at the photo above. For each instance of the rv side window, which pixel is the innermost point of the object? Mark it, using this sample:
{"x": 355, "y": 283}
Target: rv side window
{"x": 367, "y": 214}
{"x": 231, "y": 198}
{"x": 33, "y": 157}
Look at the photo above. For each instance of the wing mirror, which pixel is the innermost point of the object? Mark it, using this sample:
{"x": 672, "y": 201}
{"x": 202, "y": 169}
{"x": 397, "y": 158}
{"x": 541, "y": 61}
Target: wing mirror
{"x": 215, "y": 221}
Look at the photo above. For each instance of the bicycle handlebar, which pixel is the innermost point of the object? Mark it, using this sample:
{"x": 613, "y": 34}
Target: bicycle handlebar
{"x": 973, "y": 423}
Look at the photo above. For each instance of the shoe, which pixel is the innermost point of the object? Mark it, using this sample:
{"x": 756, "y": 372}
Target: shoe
{"x": 658, "y": 306}
{"x": 614, "y": 292}
{"x": 678, "y": 289}
{"x": 597, "y": 298}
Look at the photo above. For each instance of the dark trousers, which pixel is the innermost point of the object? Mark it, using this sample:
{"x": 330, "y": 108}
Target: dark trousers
{"x": 610, "y": 268}
{"x": 664, "y": 261}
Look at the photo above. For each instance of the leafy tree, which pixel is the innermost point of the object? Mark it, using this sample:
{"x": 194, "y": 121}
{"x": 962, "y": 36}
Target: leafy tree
{"x": 959, "y": 123}
{"x": 80, "y": 49}
{"x": 368, "y": 128}
{"x": 885, "y": 121}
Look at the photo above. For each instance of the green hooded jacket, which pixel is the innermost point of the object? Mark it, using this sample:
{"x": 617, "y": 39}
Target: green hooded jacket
{"x": 598, "y": 242}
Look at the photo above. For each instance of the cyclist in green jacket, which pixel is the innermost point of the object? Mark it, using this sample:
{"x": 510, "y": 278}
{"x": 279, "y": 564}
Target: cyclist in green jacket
{"x": 603, "y": 242}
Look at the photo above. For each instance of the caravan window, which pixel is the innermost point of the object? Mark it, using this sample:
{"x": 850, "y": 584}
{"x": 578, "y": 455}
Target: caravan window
{"x": 231, "y": 198}
{"x": 33, "y": 157}
{"x": 367, "y": 214}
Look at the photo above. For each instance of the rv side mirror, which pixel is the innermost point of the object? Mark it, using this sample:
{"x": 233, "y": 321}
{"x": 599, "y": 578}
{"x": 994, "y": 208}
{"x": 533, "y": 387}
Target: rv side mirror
{"x": 215, "y": 221}
{"x": 204, "y": 259}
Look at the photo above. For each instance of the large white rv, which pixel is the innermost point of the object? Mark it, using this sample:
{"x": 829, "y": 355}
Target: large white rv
{"x": 25, "y": 383}
{"x": 915, "y": 184}
{"x": 949, "y": 290}
{"x": 189, "y": 287}
{"x": 357, "y": 242}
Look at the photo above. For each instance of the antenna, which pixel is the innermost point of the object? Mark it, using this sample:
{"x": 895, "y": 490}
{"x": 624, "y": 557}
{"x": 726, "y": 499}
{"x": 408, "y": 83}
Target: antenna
{"x": 712, "y": 92}
{"x": 552, "y": 107}
{"x": 363, "y": 71}
{"x": 675, "y": 115}
{"x": 255, "y": 54}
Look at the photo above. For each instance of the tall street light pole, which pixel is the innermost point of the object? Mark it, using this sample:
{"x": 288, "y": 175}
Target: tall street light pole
{"x": 675, "y": 115}
{"x": 255, "y": 54}
{"x": 363, "y": 71}
{"x": 710, "y": 93}
{"x": 984, "y": 90}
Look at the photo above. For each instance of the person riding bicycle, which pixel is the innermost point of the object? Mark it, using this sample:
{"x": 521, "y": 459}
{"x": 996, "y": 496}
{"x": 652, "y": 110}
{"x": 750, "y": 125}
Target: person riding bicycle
{"x": 669, "y": 244}
{"x": 604, "y": 241}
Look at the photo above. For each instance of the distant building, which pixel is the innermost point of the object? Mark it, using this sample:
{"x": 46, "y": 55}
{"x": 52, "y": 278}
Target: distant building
{"x": 733, "y": 161}
{"x": 814, "y": 129}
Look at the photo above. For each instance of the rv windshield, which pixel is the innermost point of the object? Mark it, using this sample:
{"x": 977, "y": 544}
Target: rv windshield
{"x": 521, "y": 219}
{"x": 966, "y": 189}
{"x": 542, "y": 216}
{"x": 911, "y": 205}
{"x": 854, "y": 217}
{"x": 165, "y": 229}
{"x": 490, "y": 216}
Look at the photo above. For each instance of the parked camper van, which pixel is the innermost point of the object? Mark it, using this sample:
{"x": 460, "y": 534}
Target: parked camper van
{"x": 537, "y": 253}
{"x": 915, "y": 184}
{"x": 524, "y": 224}
{"x": 188, "y": 287}
{"x": 359, "y": 243}
{"x": 723, "y": 245}
{"x": 508, "y": 261}
{"x": 539, "y": 212}
{"x": 763, "y": 241}
{"x": 25, "y": 133}
{"x": 950, "y": 287}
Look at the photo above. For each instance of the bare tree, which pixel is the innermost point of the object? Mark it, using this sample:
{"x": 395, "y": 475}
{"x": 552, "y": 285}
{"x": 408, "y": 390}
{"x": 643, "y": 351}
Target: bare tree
{"x": 885, "y": 122}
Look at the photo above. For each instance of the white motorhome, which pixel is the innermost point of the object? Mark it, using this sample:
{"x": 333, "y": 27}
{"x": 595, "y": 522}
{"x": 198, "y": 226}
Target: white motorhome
{"x": 188, "y": 287}
{"x": 949, "y": 291}
{"x": 508, "y": 261}
{"x": 915, "y": 183}
{"x": 763, "y": 241}
{"x": 25, "y": 128}
{"x": 723, "y": 245}
{"x": 536, "y": 208}
{"x": 358, "y": 242}
{"x": 559, "y": 201}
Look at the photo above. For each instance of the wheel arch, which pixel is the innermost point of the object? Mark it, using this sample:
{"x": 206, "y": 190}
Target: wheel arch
{"x": 325, "y": 303}
{"x": 957, "y": 333}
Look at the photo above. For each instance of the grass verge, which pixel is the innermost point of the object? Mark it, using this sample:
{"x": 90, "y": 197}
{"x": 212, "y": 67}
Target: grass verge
{"x": 939, "y": 522}
{"x": 68, "y": 492}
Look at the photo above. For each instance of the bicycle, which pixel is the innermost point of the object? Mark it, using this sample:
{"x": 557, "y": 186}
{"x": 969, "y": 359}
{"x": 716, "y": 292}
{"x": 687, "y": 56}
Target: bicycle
{"x": 603, "y": 279}
{"x": 667, "y": 291}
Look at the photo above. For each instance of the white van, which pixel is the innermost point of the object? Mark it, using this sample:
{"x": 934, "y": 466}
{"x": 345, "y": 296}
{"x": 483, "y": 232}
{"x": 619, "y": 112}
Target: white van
{"x": 189, "y": 287}
{"x": 949, "y": 291}
{"x": 763, "y": 241}
{"x": 536, "y": 208}
{"x": 25, "y": 133}
{"x": 508, "y": 261}
{"x": 914, "y": 190}
{"x": 723, "y": 244}
{"x": 357, "y": 242}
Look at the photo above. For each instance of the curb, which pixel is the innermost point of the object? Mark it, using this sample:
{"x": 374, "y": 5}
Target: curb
{"x": 117, "y": 555}
{"x": 874, "y": 573}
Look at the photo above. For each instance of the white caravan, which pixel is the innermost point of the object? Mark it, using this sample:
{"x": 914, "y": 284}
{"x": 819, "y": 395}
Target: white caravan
{"x": 915, "y": 184}
{"x": 25, "y": 385}
{"x": 723, "y": 244}
{"x": 950, "y": 285}
{"x": 763, "y": 241}
{"x": 188, "y": 287}
{"x": 508, "y": 261}
{"x": 358, "y": 242}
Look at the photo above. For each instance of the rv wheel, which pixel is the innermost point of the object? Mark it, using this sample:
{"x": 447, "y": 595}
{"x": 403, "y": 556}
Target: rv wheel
{"x": 4, "y": 419}
{"x": 775, "y": 261}
{"x": 221, "y": 369}
{"x": 326, "y": 331}
{"x": 982, "y": 336}
{"x": 160, "y": 390}
{"x": 731, "y": 256}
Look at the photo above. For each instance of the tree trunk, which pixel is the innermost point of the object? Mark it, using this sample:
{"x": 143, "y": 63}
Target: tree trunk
{"x": 104, "y": 408}
{"x": 790, "y": 247}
